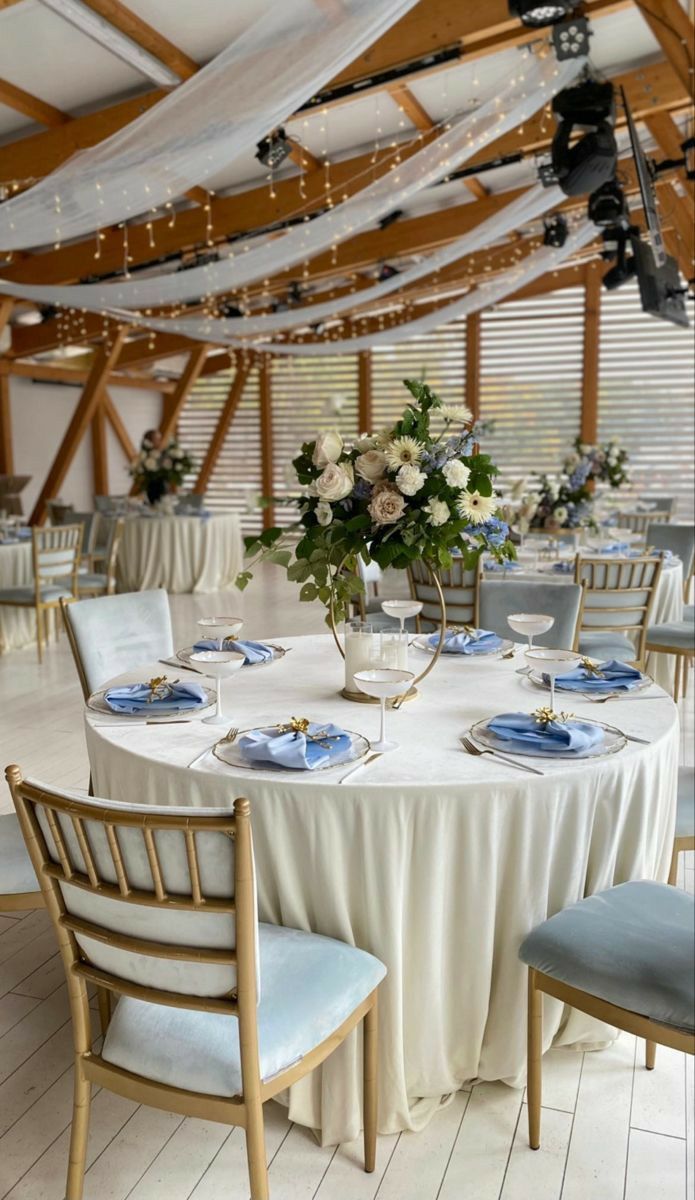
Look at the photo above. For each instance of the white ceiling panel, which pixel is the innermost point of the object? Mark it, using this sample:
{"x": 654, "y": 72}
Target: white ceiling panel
{"x": 203, "y": 28}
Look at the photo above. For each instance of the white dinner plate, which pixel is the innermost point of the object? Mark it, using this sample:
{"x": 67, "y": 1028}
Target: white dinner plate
{"x": 613, "y": 741}
{"x": 184, "y": 656}
{"x": 537, "y": 679}
{"x": 421, "y": 643}
{"x": 98, "y": 703}
{"x": 231, "y": 754}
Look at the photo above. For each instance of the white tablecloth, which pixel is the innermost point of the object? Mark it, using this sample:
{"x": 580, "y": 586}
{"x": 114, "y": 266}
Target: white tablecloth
{"x": 17, "y": 625}
{"x": 437, "y": 862}
{"x": 181, "y": 554}
{"x": 668, "y": 605}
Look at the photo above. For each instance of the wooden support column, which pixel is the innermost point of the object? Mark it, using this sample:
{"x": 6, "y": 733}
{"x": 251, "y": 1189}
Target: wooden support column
{"x": 591, "y": 352}
{"x": 104, "y": 361}
{"x": 6, "y": 453}
{"x": 472, "y": 397}
{"x": 116, "y": 422}
{"x": 267, "y": 481}
{"x": 217, "y": 440}
{"x": 365, "y": 418}
{"x": 100, "y": 462}
{"x": 174, "y": 403}
{"x": 6, "y": 306}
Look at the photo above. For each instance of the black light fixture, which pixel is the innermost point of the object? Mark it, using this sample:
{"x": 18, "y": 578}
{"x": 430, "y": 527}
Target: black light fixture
{"x": 274, "y": 149}
{"x": 616, "y": 241}
{"x": 583, "y": 165}
{"x": 295, "y": 293}
{"x": 48, "y": 312}
{"x": 571, "y": 38}
{"x": 386, "y": 271}
{"x": 227, "y": 309}
{"x": 555, "y": 230}
{"x": 607, "y": 204}
{"x": 390, "y": 218}
{"x": 535, "y": 14}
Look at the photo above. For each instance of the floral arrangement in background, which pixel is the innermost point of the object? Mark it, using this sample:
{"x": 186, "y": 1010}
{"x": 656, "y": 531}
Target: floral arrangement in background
{"x": 568, "y": 503}
{"x": 597, "y": 464}
{"x": 392, "y": 497}
{"x": 160, "y": 469}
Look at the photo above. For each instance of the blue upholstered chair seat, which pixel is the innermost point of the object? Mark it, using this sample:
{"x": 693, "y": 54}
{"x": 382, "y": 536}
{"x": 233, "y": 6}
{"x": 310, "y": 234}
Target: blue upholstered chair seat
{"x": 27, "y": 595}
{"x": 309, "y": 986}
{"x": 689, "y": 613}
{"x": 685, "y": 813}
{"x": 680, "y": 634}
{"x": 16, "y": 872}
{"x": 631, "y": 946}
{"x": 607, "y": 645}
{"x": 88, "y": 580}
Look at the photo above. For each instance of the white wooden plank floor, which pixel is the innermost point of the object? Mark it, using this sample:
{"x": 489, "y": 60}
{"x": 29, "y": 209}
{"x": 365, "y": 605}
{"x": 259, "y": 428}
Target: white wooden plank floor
{"x": 611, "y": 1131}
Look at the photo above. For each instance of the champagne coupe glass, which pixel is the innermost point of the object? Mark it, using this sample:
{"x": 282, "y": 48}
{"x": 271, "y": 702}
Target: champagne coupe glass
{"x": 553, "y": 662}
{"x": 220, "y": 664}
{"x": 530, "y": 624}
{"x": 384, "y": 683}
{"x": 402, "y": 609}
{"x": 220, "y": 628}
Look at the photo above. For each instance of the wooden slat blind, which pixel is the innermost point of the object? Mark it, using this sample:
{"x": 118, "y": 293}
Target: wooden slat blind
{"x": 439, "y": 358}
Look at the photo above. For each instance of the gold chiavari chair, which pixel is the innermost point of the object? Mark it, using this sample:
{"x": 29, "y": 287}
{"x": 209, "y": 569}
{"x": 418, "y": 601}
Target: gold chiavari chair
{"x": 638, "y": 522}
{"x": 216, "y": 1014}
{"x": 56, "y": 560}
{"x": 103, "y": 583}
{"x": 684, "y": 837}
{"x": 460, "y": 588}
{"x": 616, "y": 603}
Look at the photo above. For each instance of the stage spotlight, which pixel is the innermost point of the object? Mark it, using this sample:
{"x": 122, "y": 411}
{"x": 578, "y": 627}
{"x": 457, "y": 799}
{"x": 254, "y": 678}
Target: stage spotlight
{"x": 616, "y": 241}
{"x": 530, "y": 12}
{"x": 390, "y": 218}
{"x": 590, "y": 161}
{"x": 607, "y": 204}
{"x": 387, "y": 272}
{"x": 555, "y": 230}
{"x": 48, "y": 312}
{"x": 274, "y": 149}
{"x": 228, "y": 310}
{"x": 294, "y": 292}
{"x": 571, "y": 38}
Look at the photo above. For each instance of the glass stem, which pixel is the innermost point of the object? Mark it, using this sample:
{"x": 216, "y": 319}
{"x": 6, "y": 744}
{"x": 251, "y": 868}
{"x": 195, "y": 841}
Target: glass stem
{"x": 530, "y": 641}
{"x": 219, "y": 696}
{"x": 552, "y": 692}
{"x": 382, "y": 732}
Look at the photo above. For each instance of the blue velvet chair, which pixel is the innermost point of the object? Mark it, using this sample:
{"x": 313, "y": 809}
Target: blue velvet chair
{"x": 20, "y": 887}
{"x": 103, "y": 583}
{"x": 112, "y": 634}
{"x": 216, "y": 1013}
{"x": 624, "y": 956}
{"x": 680, "y": 540}
{"x": 499, "y": 598}
{"x": 676, "y": 638}
{"x": 616, "y": 605}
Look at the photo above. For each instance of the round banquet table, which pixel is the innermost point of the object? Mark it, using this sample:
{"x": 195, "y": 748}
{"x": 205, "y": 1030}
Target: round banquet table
{"x": 17, "y": 625}
{"x": 667, "y": 606}
{"x": 437, "y": 862}
{"x": 181, "y": 554}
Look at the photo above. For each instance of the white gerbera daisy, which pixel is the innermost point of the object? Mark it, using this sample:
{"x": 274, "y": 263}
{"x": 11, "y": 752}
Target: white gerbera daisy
{"x": 478, "y": 509}
{"x": 403, "y": 451}
{"x": 457, "y": 412}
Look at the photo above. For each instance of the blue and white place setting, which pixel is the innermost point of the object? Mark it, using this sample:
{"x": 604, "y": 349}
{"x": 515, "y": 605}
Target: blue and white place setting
{"x": 547, "y": 734}
{"x": 295, "y": 745}
{"x": 467, "y": 641}
{"x": 153, "y": 699}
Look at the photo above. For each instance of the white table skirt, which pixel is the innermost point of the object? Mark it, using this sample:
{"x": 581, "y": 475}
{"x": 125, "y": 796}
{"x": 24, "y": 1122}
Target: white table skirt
{"x": 668, "y": 606}
{"x": 17, "y": 625}
{"x": 181, "y": 554}
{"x": 436, "y": 862}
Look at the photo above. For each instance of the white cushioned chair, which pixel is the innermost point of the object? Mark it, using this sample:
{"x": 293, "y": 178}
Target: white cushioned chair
{"x": 624, "y": 956}
{"x": 680, "y": 540}
{"x": 684, "y": 837}
{"x": 616, "y": 604}
{"x": 216, "y": 1013}
{"x": 103, "y": 583}
{"x": 676, "y": 638}
{"x": 112, "y": 634}
{"x": 20, "y": 887}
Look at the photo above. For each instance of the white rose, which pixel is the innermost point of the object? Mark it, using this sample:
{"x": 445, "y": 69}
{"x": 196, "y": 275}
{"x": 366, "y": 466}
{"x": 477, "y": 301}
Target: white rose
{"x": 334, "y": 482}
{"x": 410, "y": 479}
{"x": 438, "y": 511}
{"x": 371, "y": 465}
{"x": 456, "y": 473}
{"x": 328, "y": 448}
{"x": 324, "y": 512}
{"x": 151, "y": 462}
{"x": 365, "y": 442}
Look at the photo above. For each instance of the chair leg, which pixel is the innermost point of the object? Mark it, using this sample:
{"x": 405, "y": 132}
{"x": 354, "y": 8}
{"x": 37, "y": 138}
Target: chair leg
{"x": 673, "y": 869}
{"x": 39, "y": 632}
{"x": 255, "y": 1151}
{"x": 677, "y": 681}
{"x": 535, "y": 1050}
{"x": 370, "y": 1033}
{"x": 78, "y": 1136}
{"x": 649, "y": 1055}
{"x": 686, "y": 668}
{"x": 104, "y": 1003}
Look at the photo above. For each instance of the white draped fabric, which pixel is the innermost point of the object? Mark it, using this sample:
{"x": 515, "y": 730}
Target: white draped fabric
{"x": 17, "y": 625}
{"x": 285, "y": 56}
{"x": 437, "y": 862}
{"x": 537, "y": 80}
{"x": 181, "y": 554}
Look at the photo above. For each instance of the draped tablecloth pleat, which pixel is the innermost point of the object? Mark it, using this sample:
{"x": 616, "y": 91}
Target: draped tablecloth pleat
{"x": 181, "y": 554}
{"x": 17, "y": 625}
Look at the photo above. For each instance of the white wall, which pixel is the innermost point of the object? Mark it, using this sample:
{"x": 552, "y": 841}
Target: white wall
{"x": 40, "y": 415}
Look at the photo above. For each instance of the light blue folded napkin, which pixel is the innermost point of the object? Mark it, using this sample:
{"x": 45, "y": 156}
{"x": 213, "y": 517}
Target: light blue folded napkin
{"x": 136, "y": 697}
{"x": 478, "y": 641}
{"x": 294, "y": 750}
{"x": 615, "y": 548}
{"x": 24, "y": 533}
{"x": 511, "y": 565}
{"x": 522, "y": 730}
{"x": 564, "y": 568}
{"x": 254, "y": 652}
{"x": 617, "y": 677}
{"x": 665, "y": 554}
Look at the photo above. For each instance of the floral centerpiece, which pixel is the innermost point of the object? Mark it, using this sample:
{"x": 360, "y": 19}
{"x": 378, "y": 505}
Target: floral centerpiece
{"x": 160, "y": 469}
{"x": 394, "y": 497}
{"x": 568, "y": 504}
{"x": 597, "y": 464}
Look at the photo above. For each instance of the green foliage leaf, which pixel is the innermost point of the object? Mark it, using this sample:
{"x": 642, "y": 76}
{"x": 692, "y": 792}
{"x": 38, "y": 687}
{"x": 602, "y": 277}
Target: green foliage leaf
{"x": 308, "y": 592}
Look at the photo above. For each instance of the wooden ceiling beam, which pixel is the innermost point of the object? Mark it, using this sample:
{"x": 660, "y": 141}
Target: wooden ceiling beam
{"x": 409, "y": 104}
{"x": 55, "y": 373}
{"x": 30, "y": 106}
{"x": 668, "y": 137}
{"x": 133, "y": 27}
{"x": 217, "y": 440}
{"x": 116, "y": 422}
{"x": 674, "y": 31}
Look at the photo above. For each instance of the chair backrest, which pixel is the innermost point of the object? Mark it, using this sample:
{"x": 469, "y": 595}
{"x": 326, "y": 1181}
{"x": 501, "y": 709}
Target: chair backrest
{"x": 679, "y": 539}
{"x": 113, "y": 545}
{"x": 156, "y": 903}
{"x": 618, "y": 596}
{"x": 56, "y": 552}
{"x": 639, "y": 522}
{"x": 90, "y": 529}
{"x": 459, "y": 587}
{"x": 662, "y": 503}
{"x": 499, "y": 598}
{"x": 190, "y": 502}
{"x": 112, "y": 634}
{"x": 59, "y": 512}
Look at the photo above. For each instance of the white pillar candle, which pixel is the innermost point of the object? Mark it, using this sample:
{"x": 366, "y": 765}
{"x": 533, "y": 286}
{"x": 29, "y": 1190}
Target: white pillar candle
{"x": 358, "y": 655}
